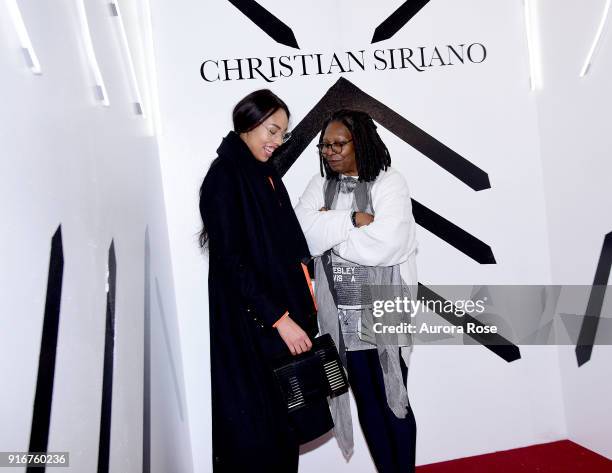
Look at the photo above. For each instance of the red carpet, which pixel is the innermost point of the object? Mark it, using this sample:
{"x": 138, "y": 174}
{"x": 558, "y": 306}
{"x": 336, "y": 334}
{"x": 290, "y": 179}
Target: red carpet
{"x": 556, "y": 457}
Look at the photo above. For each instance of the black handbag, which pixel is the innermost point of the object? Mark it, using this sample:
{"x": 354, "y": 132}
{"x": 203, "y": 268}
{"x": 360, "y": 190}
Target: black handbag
{"x": 306, "y": 380}
{"x": 309, "y": 377}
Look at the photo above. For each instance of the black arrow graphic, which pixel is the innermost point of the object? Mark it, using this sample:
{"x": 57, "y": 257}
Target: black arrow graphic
{"x": 398, "y": 19}
{"x": 146, "y": 372}
{"x": 493, "y": 341}
{"x": 41, "y": 416}
{"x": 344, "y": 94}
{"x": 267, "y": 22}
{"x": 452, "y": 234}
{"x": 109, "y": 362}
{"x": 586, "y": 338}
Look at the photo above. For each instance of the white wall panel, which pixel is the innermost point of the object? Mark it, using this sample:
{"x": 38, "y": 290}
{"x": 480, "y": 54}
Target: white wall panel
{"x": 95, "y": 170}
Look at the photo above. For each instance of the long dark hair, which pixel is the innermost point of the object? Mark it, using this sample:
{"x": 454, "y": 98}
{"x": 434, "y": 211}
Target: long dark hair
{"x": 256, "y": 107}
{"x": 247, "y": 115}
{"x": 371, "y": 154}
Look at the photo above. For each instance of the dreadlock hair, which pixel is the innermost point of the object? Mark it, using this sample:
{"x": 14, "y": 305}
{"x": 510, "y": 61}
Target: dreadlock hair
{"x": 371, "y": 154}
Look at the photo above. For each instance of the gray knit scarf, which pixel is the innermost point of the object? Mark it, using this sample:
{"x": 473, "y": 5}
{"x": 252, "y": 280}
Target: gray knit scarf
{"x": 388, "y": 346}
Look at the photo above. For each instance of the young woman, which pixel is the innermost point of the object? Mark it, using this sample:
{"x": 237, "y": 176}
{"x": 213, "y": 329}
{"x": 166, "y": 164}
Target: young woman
{"x": 357, "y": 217}
{"x": 260, "y": 300}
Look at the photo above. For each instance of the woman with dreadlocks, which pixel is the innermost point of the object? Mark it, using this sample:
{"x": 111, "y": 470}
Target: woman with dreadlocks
{"x": 357, "y": 219}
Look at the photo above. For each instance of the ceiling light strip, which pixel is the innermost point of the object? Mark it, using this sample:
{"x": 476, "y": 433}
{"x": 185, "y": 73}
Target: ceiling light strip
{"x": 597, "y": 40}
{"x": 101, "y": 93}
{"x": 24, "y": 37}
{"x": 139, "y": 106}
{"x": 533, "y": 45}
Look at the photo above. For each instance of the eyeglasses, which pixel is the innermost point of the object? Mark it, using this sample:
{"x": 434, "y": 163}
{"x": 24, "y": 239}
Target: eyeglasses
{"x": 272, "y": 131}
{"x": 335, "y": 147}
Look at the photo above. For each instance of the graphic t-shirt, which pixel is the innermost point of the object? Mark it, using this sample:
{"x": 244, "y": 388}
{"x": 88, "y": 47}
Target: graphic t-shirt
{"x": 349, "y": 279}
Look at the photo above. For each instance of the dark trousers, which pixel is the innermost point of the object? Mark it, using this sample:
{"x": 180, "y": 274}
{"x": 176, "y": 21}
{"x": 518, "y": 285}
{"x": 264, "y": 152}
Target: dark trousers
{"x": 392, "y": 441}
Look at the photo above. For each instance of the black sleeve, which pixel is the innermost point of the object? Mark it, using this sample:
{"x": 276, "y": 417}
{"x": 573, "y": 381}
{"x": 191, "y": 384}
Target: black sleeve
{"x": 223, "y": 220}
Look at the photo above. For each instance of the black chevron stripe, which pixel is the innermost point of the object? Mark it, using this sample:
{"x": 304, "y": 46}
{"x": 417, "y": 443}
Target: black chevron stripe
{"x": 109, "y": 361}
{"x": 398, "y": 19}
{"x": 452, "y": 234}
{"x": 146, "y": 383}
{"x": 344, "y": 94}
{"x": 41, "y": 415}
{"x": 588, "y": 330}
{"x": 267, "y": 22}
{"x": 492, "y": 341}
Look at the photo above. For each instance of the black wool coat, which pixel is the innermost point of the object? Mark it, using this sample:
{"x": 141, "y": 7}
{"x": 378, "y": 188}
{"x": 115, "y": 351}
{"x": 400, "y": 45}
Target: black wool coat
{"x": 255, "y": 248}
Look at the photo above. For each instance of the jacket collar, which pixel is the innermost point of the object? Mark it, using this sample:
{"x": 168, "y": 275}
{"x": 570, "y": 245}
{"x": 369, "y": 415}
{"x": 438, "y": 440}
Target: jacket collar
{"x": 232, "y": 146}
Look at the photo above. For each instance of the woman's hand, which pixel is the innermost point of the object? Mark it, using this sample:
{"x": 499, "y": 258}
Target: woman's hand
{"x": 363, "y": 218}
{"x": 294, "y": 337}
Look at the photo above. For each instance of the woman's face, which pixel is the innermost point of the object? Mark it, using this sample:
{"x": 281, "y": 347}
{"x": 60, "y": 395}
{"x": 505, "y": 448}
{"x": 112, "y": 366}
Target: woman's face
{"x": 267, "y": 136}
{"x": 339, "y": 152}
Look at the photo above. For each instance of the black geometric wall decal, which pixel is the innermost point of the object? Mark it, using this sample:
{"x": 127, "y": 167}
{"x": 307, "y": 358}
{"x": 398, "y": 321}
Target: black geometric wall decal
{"x": 109, "y": 360}
{"x": 146, "y": 384}
{"x": 344, "y": 94}
{"x": 493, "y": 341}
{"x": 452, "y": 234}
{"x": 586, "y": 338}
{"x": 397, "y": 19}
{"x": 41, "y": 415}
{"x": 267, "y": 22}
{"x": 162, "y": 314}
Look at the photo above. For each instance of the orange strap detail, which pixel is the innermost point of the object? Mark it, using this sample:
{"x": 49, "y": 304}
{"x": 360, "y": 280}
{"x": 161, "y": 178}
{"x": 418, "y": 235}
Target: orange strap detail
{"x": 271, "y": 182}
{"x": 309, "y": 282}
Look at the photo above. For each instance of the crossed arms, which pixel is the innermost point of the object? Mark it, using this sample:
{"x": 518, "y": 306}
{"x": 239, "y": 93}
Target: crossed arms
{"x": 388, "y": 240}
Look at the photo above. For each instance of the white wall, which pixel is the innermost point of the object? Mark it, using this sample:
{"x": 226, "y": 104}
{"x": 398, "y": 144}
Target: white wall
{"x": 466, "y": 400}
{"x": 96, "y": 171}
{"x": 68, "y": 160}
{"x": 574, "y": 125}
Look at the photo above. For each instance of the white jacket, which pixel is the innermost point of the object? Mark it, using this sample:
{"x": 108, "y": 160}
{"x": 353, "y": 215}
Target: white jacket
{"x": 389, "y": 240}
